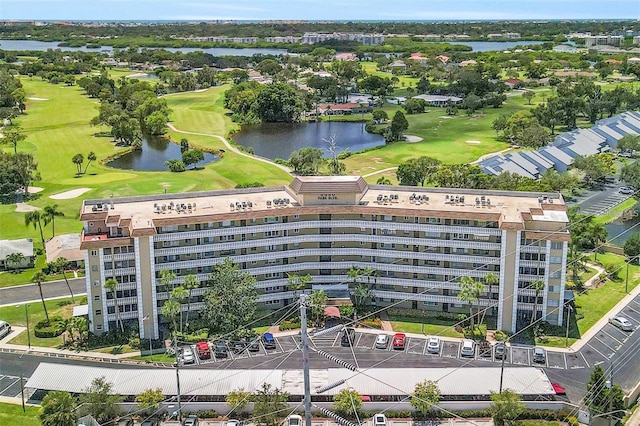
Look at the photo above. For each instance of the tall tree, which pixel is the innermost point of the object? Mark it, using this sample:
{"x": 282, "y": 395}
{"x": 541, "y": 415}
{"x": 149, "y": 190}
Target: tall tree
{"x": 61, "y": 265}
{"x": 190, "y": 283}
{"x": 99, "y": 400}
{"x": 149, "y": 400}
{"x": 35, "y": 218}
{"x": 317, "y": 301}
{"x": 230, "y": 300}
{"x": 50, "y": 214}
{"x": 306, "y": 161}
{"x": 630, "y": 174}
{"x": 38, "y": 278}
{"x": 180, "y": 294}
{"x": 91, "y": 157}
{"x": 470, "y": 291}
{"x": 296, "y": 283}
{"x": 112, "y": 285}
{"x": 78, "y": 159}
{"x": 58, "y": 409}
{"x": 12, "y": 136}
{"x": 171, "y": 310}
{"x": 425, "y": 397}
{"x": 538, "y": 286}
{"x": 399, "y": 125}
{"x": 505, "y": 407}
{"x": 14, "y": 260}
{"x": 348, "y": 403}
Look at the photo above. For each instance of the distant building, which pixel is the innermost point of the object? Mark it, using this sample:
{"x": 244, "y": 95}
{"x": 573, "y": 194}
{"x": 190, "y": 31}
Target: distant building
{"x": 346, "y": 56}
{"x": 565, "y": 48}
{"x": 23, "y": 246}
{"x": 508, "y": 36}
{"x": 439, "y": 100}
{"x": 366, "y": 39}
{"x": 603, "y": 40}
{"x": 67, "y": 246}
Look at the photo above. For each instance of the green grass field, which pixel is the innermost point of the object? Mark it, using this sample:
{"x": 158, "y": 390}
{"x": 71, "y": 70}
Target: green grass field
{"x": 11, "y": 414}
{"x": 431, "y": 326}
{"x": 15, "y": 315}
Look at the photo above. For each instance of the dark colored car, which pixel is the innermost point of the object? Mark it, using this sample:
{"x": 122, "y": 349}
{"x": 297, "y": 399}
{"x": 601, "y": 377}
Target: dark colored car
{"x": 253, "y": 345}
{"x": 220, "y": 349}
{"x": 238, "y": 346}
{"x": 348, "y": 337}
{"x": 268, "y": 341}
{"x": 539, "y": 355}
{"x": 484, "y": 349}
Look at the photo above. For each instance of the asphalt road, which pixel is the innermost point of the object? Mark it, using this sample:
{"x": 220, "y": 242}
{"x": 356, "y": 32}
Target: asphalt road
{"x": 50, "y": 289}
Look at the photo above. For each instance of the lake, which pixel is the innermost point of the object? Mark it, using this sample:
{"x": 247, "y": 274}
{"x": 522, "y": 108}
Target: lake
{"x": 155, "y": 151}
{"x": 279, "y": 140}
{"x": 619, "y": 231}
{"x": 43, "y": 46}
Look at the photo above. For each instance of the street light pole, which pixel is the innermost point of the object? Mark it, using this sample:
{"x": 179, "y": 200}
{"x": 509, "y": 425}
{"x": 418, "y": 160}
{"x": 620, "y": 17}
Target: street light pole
{"x": 566, "y": 335}
{"x": 26, "y": 315}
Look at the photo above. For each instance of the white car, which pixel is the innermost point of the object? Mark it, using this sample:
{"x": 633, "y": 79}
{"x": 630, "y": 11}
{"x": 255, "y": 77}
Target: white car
{"x": 294, "y": 420}
{"x": 468, "y": 348}
{"x": 379, "y": 420}
{"x": 626, "y": 190}
{"x": 622, "y": 323}
{"x": 382, "y": 341}
{"x": 187, "y": 355}
{"x": 433, "y": 345}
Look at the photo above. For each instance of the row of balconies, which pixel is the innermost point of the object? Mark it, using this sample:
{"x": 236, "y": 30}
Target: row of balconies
{"x": 334, "y": 225}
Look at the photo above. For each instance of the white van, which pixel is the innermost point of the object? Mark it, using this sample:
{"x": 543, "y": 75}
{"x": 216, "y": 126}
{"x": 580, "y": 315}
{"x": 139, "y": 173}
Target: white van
{"x": 5, "y": 329}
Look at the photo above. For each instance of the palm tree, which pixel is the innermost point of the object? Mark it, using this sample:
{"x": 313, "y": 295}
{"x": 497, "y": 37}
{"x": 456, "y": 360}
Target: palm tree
{"x": 190, "y": 282}
{"x": 111, "y": 284}
{"x": 38, "y": 278}
{"x": 60, "y": 265}
{"x": 538, "y": 286}
{"x": 179, "y": 294}
{"x": 91, "y": 157}
{"x": 361, "y": 293}
{"x": 369, "y": 272}
{"x": 298, "y": 282}
{"x": 166, "y": 279}
{"x": 78, "y": 159}
{"x": 382, "y": 180}
{"x": 354, "y": 273}
{"x": 490, "y": 279}
{"x": 14, "y": 259}
{"x": 50, "y": 214}
{"x": 34, "y": 218}
{"x": 470, "y": 293}
{"x": 58, "y": 409}
{"x": 170, "y": 310}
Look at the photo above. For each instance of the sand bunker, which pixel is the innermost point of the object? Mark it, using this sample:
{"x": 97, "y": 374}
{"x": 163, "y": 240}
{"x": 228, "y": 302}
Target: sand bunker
{"x": 474, "y": 142}
{"x": 33, "y": 98}
{"x": 35, "y": 189}
{"x": 412, "y": 138}
{"x": 448, "y": 117}
{"x": 25, "y": 208}
{"x": 70, "y": 194}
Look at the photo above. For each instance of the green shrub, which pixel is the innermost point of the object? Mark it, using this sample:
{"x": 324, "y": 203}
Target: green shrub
{"x": 346, "y": 311}
{"x": 208, "y": 414}
{"x": 501, "y": 335}
{"x": 194, "y": 337}
{"x": 52, "y": 328}
{"x": 289, "y": 325}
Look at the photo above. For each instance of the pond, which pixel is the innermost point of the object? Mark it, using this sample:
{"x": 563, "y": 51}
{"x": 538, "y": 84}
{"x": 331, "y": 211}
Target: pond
{"x": 619, "y": 231}
{"x": 488, "y": 46}
{"x": 279, "y": 140}
{"x": 155, "y": 151}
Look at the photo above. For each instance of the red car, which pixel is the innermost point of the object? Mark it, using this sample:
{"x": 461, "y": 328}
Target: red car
{"x": 558, "y": 389}
{"x": 204, "y": 351}
{"x": 398, "y": 341}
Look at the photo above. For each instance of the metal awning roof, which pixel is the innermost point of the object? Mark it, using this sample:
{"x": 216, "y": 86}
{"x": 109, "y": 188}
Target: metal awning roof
{"x": 372, "y": 382}
{"x": 80, "y": 310}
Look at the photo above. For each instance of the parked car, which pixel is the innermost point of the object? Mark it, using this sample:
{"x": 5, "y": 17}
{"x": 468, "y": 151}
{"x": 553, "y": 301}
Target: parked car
{"x": 379, "y": 420}
{"x": 433, "y": 345}
{"x": 348, "y": 337}
{"x": 539, "y": 355}
{"x": 238, "y": 346}
{"x": 622, "y": 323}
{"x": 234, "y": 422}
{"x": 191, "y": 421}
{"x": 382, "y": 341}
{"x": 187, "y": 355}
{"x": 268, "y": 341}
{"x": 204, "y": 351}
{"x": 253, "y": 345}
{"x": 5, "y": 328}
{"x": 484, "y": 349}
{"x": 558, "y": 389}
{"x": 468, "y": 348}
{"x": 399, "y": 341}
{"x": 220, "y": 349}
{"x": 626, "y": 190}
{"x": 151, "y": 422}
{"x": 500, "y": 350}
{"x": 294, "y": 420}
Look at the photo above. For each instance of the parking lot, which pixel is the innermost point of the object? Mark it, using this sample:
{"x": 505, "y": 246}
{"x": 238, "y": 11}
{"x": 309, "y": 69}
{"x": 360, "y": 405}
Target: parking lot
{"x": 10, "y": 385}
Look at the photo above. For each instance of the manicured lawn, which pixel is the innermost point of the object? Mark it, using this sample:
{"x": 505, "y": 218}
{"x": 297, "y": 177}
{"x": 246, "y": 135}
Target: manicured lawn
{"x": 11, "y": 414}
{"x": 156, "y": 358}
{"x": 616, "y": 211}
{"x": 594, "y": 304}
{"x": 588, "y": 274}
{"x": 431, "y": 327}
{"x": 15, "y": 315}
{"x": 115, "y": 350}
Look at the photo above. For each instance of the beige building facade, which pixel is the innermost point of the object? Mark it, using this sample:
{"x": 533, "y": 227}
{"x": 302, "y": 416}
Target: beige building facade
{"x": 417, "y": 241}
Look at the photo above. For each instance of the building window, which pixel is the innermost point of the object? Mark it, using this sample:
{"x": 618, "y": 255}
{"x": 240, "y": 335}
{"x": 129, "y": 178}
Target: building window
{"x": 557, "y": 245}
{"x": 99, "y": 327}
{"x": 96, "y": 297}
{"x": 553, "y": 303}
{"x": 296, "y": 216}
{"x": 427, "y": 303}
{"x": 94, "y": 267}
{"x": 94, "y": 252}
{"x": 98, "y": 311}
{"x": 555, "y": 259}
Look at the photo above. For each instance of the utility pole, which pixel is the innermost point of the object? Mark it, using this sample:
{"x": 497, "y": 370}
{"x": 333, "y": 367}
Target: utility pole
{"x": 305, "y": 359}
{"x": 178, "y": 360}
{"x": 504, "y": 355}
{"x": 566, "y": 335}
{"x": 611, "y": 394}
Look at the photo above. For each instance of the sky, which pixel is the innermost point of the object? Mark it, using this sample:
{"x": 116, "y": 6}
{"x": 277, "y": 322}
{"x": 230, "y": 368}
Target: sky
{"x": 318, "y": 9}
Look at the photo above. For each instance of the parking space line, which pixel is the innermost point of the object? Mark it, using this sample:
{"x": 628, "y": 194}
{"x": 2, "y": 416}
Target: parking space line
{"x": 585, "y": 359}
{"x": 14, "y": 382}
{"x": 609, "y": 334}
{"x": 277, "y": 341}
{"x": 564, "y": 358}
{"x": 592, "y": 347}
{"x": 599, "y": 340}
{"x": 355, "y": 345}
